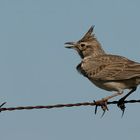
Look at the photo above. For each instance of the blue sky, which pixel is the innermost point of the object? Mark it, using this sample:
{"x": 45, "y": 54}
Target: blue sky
{"x": 36, "y": 69}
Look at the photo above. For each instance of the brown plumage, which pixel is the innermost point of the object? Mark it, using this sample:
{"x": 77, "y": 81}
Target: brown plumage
{"x": 106, "y": 71}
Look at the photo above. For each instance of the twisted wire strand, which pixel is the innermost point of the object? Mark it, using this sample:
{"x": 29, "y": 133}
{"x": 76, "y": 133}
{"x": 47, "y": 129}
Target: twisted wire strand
{"x": 59, "y": 105}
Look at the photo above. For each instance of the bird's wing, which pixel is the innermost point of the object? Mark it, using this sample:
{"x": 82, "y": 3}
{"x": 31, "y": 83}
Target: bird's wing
{"x": 113, "y": 68}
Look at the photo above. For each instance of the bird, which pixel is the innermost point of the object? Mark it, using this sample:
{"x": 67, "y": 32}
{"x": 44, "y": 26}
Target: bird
{"x": 109, "y": 72}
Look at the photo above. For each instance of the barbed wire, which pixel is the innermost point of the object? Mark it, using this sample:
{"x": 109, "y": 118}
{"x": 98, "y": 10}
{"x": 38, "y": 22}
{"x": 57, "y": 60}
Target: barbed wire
{"x": 59, "y": 105}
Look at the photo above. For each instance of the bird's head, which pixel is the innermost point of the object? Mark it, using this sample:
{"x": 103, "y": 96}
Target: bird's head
{"x": 86, "y": 46}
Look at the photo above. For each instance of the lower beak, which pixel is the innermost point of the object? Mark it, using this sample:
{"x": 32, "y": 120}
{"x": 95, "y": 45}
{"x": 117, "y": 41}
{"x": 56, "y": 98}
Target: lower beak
{"x": 70, "y": 45}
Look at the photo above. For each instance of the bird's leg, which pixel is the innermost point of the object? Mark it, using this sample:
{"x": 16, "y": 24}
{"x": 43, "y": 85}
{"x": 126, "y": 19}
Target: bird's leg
{"x": 121, "y": 103}
{"x": 103, "y": 102}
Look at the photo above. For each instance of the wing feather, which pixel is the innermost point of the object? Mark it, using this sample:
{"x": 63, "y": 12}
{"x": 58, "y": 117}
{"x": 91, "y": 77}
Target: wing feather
{"x": 111, "y": 67}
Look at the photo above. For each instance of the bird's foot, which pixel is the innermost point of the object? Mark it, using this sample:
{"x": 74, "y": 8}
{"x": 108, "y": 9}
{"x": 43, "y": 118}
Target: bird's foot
{"x": 103, "y": 104}
{"x": 121, "y": 105}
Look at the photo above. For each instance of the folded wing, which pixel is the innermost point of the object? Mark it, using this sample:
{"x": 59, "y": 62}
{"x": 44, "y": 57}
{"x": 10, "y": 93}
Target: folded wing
{"x": 112, "y": 68}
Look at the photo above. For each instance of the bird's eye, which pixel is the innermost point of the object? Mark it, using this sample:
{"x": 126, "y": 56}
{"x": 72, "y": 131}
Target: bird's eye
{"x": 82, "y": 45}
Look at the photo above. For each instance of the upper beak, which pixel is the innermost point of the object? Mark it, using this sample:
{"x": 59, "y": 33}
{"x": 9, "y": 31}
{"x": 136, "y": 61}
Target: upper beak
{"x": 70, "y": 45}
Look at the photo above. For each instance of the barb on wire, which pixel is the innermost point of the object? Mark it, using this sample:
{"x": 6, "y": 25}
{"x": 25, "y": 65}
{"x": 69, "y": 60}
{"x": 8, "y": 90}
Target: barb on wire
{"x": 59, "y": 105}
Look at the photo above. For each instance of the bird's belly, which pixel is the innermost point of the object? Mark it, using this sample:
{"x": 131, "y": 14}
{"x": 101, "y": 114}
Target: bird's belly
{"x": 111, "y": 86}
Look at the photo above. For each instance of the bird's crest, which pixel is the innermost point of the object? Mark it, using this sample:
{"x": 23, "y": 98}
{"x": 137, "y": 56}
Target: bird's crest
{"x": 88, "y": 36}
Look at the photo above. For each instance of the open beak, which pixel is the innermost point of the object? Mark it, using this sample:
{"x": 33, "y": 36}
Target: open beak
{"x": 70, "y": 45}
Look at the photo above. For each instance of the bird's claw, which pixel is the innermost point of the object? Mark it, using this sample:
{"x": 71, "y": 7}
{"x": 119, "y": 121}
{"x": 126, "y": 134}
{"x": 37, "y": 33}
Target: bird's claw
{"x": 103, "y": 104}
{"x": 121, "y": 105}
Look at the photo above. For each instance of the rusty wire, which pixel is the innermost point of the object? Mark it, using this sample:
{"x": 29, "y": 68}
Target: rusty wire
{"x": 59, "y": 105}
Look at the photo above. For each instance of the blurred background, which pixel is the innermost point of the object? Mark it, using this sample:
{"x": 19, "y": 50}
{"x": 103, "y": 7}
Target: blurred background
{"x": 36, "y": 69}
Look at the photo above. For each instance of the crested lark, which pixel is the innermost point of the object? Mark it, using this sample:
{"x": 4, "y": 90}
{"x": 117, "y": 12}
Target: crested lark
{"x": 106, "y": 71}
